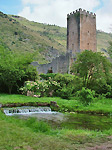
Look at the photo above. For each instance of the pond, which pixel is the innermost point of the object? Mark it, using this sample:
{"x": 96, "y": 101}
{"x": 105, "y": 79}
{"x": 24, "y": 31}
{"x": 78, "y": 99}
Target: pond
{"x": 64, "y": 120}
{"x": 76, "y": 121}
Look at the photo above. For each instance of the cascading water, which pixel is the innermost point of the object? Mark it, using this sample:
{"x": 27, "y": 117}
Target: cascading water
{"x": 27, "y": 110}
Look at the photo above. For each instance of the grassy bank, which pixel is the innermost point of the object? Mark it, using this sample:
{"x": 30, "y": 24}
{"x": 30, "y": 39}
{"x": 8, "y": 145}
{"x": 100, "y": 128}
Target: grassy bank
{"x": 32, "y": 134}
{"x": 99, "y": 106}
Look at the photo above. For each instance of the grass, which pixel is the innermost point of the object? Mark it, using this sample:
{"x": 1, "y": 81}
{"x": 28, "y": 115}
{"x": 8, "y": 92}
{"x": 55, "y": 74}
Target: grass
{"x": 102, "y": 105}
{"x": 33, "y": 134}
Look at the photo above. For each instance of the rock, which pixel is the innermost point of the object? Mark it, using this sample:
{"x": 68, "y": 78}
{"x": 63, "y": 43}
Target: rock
{"x": 54, "y": 104}
{"x": 43, "y": 104}
{"x": 0, "y": 105}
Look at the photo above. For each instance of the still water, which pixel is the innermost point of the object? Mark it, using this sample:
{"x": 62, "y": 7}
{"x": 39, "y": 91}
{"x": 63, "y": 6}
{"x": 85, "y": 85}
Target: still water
{"x": 63, "y": 120}
{"x": 74, "y": 121}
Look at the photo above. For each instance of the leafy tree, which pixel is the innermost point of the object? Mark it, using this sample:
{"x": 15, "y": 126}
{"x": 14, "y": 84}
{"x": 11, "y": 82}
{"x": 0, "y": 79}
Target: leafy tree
{"x": 14, "y": 67}
{"x": 69, "y": 84}
{"x": 92, "y": 67}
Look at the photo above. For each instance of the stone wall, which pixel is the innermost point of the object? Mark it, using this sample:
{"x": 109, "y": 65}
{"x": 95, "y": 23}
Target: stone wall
{"x": 73, "y": 32}
{"x": 81, "y": 31}
{"x": 87, "y": 31}
{"x": 81, "y": 35}
{"x": 60, "y": 64}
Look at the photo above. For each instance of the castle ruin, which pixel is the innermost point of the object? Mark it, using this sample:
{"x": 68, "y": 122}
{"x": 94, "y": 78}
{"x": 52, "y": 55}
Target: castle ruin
{"x": 81, "y": 35}
{"x": 81, "y": 31}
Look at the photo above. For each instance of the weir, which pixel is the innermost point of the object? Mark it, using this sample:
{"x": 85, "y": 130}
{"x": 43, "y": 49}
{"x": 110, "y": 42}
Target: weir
{"x": 26, "y": 110}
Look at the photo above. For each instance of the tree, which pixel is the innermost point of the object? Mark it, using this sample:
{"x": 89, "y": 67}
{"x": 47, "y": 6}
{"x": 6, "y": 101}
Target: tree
{"x": 92, "y": 67}
{"x": 14, "y": 67}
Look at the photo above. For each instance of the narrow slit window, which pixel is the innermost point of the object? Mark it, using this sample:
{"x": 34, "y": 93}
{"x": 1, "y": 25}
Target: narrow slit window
{"x": 72, "y": 46}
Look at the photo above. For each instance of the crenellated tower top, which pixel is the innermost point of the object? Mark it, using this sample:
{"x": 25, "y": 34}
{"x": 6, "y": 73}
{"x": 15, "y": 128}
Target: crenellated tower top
{"x": 81, "y": 12}
{"x": 81, "y": 31}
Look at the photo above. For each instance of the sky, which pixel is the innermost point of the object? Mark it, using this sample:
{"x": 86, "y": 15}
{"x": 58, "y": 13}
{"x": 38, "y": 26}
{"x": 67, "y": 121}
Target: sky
{"x": 55, "y": 11}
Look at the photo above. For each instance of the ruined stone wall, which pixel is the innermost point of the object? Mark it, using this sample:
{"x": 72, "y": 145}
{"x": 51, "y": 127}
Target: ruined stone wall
{"x": 81, "y": 31}
{"x": 60, "y": 64}
{"x": 81, "y": 35}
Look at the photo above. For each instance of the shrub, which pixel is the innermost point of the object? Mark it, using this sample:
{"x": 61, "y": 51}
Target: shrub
{"x": 46, "y": 76}
{"x": 64, "y": 79}
{"x": 86, "y": 96}
{"x": 69, "y": 84}
{"x": 65, "y": 92}
{"x": 62, "y": 85}
{"x": 42, "y": 88}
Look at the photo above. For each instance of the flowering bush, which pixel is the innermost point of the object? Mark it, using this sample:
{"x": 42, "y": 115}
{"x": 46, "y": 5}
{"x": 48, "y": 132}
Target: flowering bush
{"x": 40, "y": 88}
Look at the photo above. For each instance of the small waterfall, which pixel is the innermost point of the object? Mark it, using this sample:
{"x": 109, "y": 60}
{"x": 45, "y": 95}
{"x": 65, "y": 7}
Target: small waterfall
{"x": 26, "y": 110}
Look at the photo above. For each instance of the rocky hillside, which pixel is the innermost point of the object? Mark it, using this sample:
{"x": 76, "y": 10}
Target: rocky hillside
{"x": 47, "y": 41}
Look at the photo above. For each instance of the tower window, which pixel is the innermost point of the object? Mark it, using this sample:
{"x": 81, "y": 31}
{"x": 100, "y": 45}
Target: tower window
{"x": 72, "y": 46}
{"x": 73, "y": 33}
{"x": 88, "y": 33}
{"x": 87, "y": 43}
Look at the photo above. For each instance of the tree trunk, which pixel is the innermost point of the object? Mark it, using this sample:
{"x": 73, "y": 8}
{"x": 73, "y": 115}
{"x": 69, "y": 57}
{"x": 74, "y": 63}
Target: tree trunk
{"x": 10, "y": 89}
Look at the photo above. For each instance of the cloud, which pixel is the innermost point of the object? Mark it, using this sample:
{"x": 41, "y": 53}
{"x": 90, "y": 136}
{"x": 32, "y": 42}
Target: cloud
{"x": 55, "y": 11}
{"x": 104, "y": 15}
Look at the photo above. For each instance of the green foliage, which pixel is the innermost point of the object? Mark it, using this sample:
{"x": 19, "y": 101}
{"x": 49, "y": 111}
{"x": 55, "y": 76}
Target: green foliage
{"x": 41, "y": 88}
{"x": 30, "y": 73}
{"x": 37, "y": 126}
{"x": 46, "y": 76}
{"x": 64, "y": 79}
{"x": 63, "y": 85}
{"x": 14, "y": 68}
{"x": 110, "y": 49}
{"x": 69, "y": 85}
{"x": 86, "y": 96}
{"x": 65, "y": 92}
{"x": 93, "y": 68}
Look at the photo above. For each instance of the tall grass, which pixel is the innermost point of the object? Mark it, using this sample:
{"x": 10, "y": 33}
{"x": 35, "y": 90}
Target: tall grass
{"x": 101, "y": 106}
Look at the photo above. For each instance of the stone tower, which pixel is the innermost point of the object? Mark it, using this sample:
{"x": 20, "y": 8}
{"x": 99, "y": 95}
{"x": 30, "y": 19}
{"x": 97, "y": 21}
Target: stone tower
{"x": 81, "y": 31}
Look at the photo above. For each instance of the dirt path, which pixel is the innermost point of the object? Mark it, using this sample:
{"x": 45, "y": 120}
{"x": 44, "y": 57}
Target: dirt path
{"x": 103, "y": 146}
{"x": 99, "y": 146}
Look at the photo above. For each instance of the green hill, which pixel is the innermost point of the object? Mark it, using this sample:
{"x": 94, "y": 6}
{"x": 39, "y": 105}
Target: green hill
{"x": 47, "y": 41}
{"x": 103, "y": 39}
{"x": 21, "y": 38}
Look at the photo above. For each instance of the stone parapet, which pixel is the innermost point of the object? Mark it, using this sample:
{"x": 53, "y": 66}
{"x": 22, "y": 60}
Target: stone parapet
{"x": 81, "y": 11}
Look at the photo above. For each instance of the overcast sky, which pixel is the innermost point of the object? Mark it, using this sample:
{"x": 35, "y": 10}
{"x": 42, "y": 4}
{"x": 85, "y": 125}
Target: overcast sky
{"x": 55, "y": 11}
